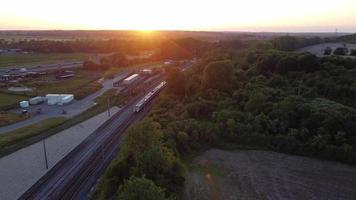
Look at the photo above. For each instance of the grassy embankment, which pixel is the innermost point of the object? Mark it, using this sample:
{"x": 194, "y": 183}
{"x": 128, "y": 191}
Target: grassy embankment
{"x": 24, "y": 133}
{"x": 33, "y": 59}
{"x": 19, "y": 138}
{"x": 10, "y": 118}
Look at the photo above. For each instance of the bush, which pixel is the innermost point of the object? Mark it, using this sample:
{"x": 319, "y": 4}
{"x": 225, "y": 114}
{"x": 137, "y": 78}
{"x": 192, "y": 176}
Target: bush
{"x": 341, "y": 51}
{"x": 140, "y": 189}
{"x": 327, "y": 51}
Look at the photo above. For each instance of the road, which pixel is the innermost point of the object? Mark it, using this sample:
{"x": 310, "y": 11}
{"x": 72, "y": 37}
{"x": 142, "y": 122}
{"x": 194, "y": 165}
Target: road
{"x": 74, "y": 108}
{"x": 74, "y": 176}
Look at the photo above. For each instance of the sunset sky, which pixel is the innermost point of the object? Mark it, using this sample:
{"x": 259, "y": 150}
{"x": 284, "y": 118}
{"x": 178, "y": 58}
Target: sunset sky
{"x": 231, "y": 15}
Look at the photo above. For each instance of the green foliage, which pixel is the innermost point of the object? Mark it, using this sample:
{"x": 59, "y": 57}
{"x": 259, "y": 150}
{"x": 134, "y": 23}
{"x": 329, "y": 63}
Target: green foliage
{"x": 327, "y": 51}
{"x": 140, "y": 189}
{"x": 353, "y": 52}
{"x": 144, "y": 153}
{"x": 290, "y": 102}
{"x": 341, "y": 51}
{"x": 176, "y": 81}
{"x": 219, "y": 75}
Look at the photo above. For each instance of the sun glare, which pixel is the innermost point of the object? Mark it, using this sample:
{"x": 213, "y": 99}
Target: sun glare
{"x": 175, "y": 15}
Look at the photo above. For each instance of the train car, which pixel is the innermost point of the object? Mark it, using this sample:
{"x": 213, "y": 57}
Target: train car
{"x": 148, "y": 97}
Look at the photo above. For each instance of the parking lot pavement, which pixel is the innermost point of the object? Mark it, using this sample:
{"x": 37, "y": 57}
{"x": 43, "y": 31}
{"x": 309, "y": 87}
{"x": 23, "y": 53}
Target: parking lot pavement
{"x": 74, "y": 108}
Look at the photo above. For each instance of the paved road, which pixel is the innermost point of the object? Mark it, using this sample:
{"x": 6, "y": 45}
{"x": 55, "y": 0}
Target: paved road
{"x": 73, "y": 176}
{"x": 74, "y": 108}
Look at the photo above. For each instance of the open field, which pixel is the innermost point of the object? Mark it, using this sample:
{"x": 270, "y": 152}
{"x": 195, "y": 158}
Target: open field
{"x": 318, "y": 49}
{"x": 39, "y": 58}
{"x": 9, "y": 100}
{"x": 254, "y": 174}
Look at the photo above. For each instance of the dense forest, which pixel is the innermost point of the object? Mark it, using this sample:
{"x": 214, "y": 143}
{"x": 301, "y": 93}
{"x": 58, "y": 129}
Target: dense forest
{"x": 257, "y": 96}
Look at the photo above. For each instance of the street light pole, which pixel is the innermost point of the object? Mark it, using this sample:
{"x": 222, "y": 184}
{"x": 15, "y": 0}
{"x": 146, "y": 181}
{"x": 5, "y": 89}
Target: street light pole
{"x": 108, "y": 105}
{"x": 45, "y": 153}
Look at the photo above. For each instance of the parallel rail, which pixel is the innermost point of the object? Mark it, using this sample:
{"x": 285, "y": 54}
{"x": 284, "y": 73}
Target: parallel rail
{"x": 76, "y": 173}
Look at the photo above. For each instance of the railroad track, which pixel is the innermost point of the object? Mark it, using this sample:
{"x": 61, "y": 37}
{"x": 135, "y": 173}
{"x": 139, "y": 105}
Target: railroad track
{"x": 74, "y": 176}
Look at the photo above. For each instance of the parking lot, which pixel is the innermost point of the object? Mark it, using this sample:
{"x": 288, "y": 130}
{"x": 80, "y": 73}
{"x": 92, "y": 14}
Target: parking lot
{"x": 74, "y": 108}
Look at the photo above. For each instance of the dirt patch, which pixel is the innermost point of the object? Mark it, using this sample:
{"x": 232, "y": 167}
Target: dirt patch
{"x": 252, "y": 174}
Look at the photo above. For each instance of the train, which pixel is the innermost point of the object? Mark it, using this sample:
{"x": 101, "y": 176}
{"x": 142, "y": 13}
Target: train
{"x": 148, "y": 97}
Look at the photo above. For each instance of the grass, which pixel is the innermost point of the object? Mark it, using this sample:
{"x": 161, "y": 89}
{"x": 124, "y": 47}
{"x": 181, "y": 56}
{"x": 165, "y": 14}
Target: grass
{"x": 39, "y": 58}
{"x": 15, "y": 136}
{"x": 10, "y": 118}
{"x": 83, "y": 84}
{"x": 8, "y": 101}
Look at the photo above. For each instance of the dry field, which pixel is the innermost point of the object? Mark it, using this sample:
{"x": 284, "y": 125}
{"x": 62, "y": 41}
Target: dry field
{"x": 318, "y": 49}
{"x": 252, "y": 174}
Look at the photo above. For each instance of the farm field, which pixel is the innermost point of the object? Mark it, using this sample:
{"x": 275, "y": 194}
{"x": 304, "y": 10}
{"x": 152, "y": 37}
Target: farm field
{"x": 39, "y": 58}
{"x": 318, "y": 49}
{"x": 255, "y": 174}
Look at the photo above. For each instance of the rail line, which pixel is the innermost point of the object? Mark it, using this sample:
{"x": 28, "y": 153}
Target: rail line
{"x": 76, "y": 173}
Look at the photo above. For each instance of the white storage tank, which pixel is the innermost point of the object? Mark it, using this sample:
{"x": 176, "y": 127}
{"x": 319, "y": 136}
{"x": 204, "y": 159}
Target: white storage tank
{"x": 24, "y": 104}
{"x": 130, "y": 79}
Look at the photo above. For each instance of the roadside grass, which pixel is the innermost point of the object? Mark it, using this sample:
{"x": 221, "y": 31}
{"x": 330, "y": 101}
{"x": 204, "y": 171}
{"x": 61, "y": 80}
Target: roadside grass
{"x": 15, "y": 136}
{"x": 29, "y": 135}
{"x": 32, "y": 59}
{"x": 10, "y": 118}
{"x": 8, "y": 101}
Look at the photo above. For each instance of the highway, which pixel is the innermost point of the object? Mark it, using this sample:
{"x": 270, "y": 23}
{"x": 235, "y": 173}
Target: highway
{"x": 75, "y": 175}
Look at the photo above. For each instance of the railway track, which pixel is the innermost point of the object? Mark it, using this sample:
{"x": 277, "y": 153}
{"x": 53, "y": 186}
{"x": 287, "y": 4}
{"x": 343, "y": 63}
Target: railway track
{"x": 74, "y": 176}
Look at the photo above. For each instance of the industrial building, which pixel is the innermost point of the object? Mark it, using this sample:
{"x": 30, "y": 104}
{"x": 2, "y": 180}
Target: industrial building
{"x": 131, "y": 79}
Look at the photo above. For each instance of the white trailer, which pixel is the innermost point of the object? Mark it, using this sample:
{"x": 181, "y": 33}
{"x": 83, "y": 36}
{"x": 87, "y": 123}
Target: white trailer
{"x": 66, "y": 99}
{"x": 129, "y": 80}
{"x": 59, "y": 99}
{"x": 146, "y": 71}
{"x": 24, "y": 104}
{"x": 36, "y": 100}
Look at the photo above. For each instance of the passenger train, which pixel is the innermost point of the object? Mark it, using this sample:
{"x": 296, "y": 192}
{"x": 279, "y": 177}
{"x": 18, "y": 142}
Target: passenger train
{"x": 141, "y": 104}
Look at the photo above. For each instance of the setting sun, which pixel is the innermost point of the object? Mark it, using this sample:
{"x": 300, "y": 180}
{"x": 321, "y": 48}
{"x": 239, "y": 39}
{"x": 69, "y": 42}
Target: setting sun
{"x": 177, "y": 15}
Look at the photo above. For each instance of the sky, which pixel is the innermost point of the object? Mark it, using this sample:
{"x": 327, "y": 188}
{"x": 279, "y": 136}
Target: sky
{"x": 217, "y": 15}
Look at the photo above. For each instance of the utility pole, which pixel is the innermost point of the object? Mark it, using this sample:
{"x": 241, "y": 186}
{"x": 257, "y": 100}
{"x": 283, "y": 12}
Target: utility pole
{"x": 108, "y": 105}
{"x": 45, "y": 152}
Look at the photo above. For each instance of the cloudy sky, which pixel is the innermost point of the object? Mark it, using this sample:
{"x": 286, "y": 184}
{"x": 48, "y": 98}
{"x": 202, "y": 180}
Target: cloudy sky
{"x": 231, "y": 15}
